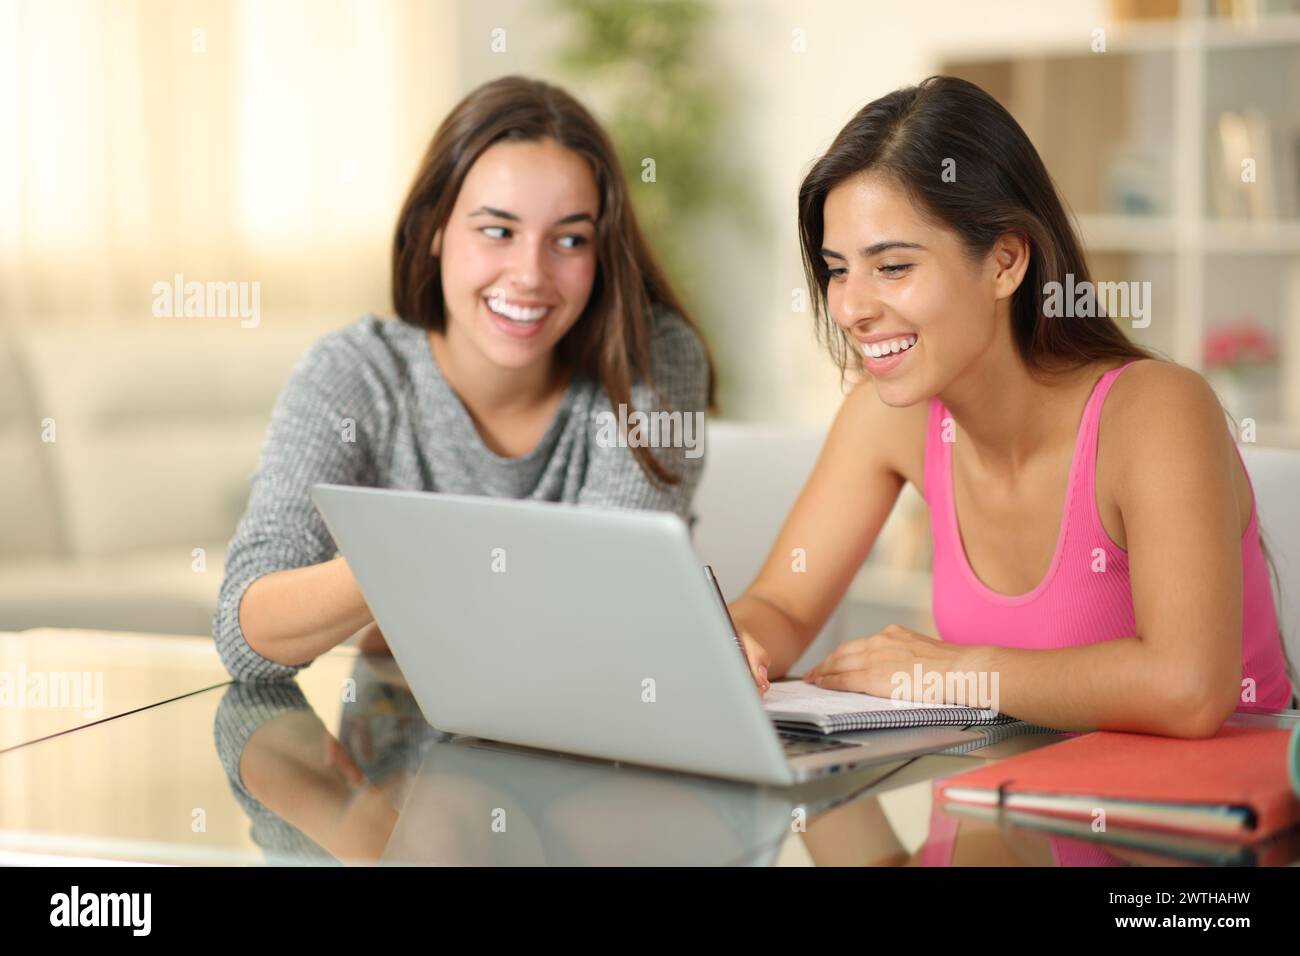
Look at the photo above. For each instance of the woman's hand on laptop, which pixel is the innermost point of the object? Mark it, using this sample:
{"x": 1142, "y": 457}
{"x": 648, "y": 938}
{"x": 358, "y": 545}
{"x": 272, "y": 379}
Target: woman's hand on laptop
{"x": 759, "y": 661}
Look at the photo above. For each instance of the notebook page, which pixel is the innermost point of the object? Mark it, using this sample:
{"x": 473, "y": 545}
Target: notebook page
{"x": 795, "y": 696}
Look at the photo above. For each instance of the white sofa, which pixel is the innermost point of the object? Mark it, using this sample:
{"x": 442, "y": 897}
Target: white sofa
{"x": 156, "y": 430}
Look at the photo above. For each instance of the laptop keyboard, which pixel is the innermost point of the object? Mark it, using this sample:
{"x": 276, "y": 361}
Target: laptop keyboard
{"x": 796, "y": 744}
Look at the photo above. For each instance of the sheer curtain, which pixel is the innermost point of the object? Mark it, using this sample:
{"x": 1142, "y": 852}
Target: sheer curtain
{"x": 223, "y": 141}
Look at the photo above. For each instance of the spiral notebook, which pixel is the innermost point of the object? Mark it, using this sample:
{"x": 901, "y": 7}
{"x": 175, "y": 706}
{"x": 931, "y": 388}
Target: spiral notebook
{"x": 795, "y": 705}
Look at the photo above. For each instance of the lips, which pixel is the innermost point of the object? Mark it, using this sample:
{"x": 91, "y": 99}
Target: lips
{"x": 883, "y": 346}
{"x": 885, "y": 355}
{"x": 517, "y": 320}
{"x": 523, "y": 312}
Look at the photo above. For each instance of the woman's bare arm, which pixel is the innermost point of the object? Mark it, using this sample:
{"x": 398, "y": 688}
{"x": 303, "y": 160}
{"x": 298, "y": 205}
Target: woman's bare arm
{"x": 830, "y": 530}
{"x": 295, "y": 615}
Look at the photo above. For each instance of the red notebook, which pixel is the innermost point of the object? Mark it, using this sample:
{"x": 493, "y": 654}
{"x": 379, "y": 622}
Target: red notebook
{"x": 1232, "y": 786}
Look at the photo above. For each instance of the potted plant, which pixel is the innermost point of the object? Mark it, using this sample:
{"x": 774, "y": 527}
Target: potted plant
{"x": 1241, "y": 364}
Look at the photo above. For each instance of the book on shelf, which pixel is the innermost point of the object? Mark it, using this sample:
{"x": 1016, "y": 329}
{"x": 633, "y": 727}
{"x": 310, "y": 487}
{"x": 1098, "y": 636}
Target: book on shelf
{"x": 1249, "y": 169}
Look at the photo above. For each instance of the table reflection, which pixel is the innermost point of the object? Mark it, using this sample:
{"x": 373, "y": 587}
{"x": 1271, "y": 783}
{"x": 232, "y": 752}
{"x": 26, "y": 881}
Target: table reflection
{"x": 387, "y": 788}
{"x": 391, "y": 789}
{"x": 861, "y": 834}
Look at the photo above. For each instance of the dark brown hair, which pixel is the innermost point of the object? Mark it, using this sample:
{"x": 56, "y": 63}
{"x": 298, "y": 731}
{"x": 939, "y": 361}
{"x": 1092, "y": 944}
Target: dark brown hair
{"x": 610, "y": 342}
{"x": 1000, "y": 185}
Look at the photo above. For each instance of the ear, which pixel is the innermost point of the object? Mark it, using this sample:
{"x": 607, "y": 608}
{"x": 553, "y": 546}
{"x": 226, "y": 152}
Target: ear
{"x": 435, "y": 249}
{"x": 1010, "y": 263}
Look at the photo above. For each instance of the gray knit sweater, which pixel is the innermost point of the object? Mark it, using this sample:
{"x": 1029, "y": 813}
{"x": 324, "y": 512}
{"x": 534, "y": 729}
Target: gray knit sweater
{"x": 367, "y": 405}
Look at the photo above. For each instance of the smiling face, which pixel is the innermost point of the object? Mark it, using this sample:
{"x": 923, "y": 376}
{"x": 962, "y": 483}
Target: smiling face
{"x": 517, "y": 255}
{"x": 920, "y": 310}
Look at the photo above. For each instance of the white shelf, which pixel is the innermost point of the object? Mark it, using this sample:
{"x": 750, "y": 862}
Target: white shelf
{"x": 1280, "y": 30}
{"x": 1187, "y": 60}
{"x": 1106, "y": 233}
{"x": 1163, "y": 234}
{"x": 1154, "y": 37}
{"x": 1270, "y": 237}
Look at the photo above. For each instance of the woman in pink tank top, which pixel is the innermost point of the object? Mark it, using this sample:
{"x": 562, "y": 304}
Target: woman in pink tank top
{"x": 1097, "y": 553}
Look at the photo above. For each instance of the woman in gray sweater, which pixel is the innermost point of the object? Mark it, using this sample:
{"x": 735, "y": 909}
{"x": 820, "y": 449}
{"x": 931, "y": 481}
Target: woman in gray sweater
{"x": 530, "y": 314}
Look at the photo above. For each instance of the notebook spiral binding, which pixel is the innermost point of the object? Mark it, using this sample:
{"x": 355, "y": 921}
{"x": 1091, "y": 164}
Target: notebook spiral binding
{"x": 881, "y": 719}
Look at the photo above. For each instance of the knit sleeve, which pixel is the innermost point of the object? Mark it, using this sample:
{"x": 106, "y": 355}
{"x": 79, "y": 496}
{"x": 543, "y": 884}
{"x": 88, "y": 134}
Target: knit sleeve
{"x": 322, "y": 429}
{"x": 673, "y": 423}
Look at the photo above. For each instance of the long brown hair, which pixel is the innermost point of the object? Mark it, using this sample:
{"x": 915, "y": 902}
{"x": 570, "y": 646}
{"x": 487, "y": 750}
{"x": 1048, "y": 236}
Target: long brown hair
{"x": 1000, "y": 186}
{"x": 610, "y": 342}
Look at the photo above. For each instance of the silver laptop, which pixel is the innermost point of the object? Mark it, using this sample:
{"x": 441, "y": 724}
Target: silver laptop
{"x": 579, "y": 629}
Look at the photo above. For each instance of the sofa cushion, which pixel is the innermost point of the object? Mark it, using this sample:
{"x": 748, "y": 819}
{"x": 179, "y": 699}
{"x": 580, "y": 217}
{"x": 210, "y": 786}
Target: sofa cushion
{"x": 155, "y": 590}
{"x": 158, "y": 425}
{"x": 27, "y": 507}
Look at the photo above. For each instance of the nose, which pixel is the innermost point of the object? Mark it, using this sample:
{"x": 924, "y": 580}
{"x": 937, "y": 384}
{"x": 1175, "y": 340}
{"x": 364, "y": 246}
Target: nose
{"x": 528, "y": 264}
{"x": 858, "y": 303}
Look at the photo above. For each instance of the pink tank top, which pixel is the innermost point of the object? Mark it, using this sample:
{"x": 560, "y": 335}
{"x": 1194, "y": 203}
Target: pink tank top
{"x": 1073, "y": 604}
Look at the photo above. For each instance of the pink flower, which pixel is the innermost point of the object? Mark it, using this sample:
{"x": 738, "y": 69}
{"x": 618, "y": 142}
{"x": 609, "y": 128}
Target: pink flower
{"x": 1238, "y": 343}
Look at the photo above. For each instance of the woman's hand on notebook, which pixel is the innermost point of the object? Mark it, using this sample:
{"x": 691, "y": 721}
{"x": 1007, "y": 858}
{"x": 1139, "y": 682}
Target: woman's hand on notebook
{"x": 868, "y": 665}
{"x": 759, "y": 661}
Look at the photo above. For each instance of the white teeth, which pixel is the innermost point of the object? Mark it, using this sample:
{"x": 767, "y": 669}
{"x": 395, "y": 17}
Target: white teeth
{"x": 892, "y": 347}
{"x": 516, "y": 313}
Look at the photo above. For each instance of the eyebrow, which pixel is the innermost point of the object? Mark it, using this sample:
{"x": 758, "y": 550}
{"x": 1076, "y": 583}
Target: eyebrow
{"x": 503, "y": 214}
{"x": 867, "y": 251}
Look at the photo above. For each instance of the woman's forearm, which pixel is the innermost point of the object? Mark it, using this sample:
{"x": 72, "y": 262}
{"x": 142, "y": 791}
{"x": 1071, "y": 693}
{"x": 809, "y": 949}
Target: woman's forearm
{"x": 1110, "y": 685}
{"x": 294, "y": 616}
{"x": 780, "y": 636}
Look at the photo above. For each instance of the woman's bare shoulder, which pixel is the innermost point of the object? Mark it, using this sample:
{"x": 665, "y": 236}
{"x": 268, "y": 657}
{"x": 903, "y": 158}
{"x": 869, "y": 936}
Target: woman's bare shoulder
{"x": 1155, "y": 396}
{"x": 1161, "y": 421}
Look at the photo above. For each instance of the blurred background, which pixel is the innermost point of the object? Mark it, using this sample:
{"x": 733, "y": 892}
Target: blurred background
{"x": 169, "y": 141}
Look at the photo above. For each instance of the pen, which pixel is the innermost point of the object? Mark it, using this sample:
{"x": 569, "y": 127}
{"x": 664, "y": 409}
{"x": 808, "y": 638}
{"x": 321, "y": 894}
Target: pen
{"x": 717, "y": 589}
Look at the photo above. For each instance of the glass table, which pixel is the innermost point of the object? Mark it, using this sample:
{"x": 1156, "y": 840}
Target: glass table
{"x": 338, "y": 767}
